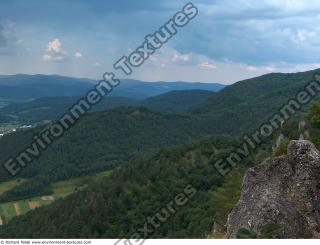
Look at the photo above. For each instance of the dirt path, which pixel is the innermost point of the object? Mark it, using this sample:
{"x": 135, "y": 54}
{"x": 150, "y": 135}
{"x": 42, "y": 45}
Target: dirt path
{"x": 34, "y": 205}
{"x": 17, "y": 208}
{"x": 47, "y": 198}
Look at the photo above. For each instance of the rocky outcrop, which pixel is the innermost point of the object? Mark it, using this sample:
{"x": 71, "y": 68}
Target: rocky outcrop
{"x": 283, "y": 190}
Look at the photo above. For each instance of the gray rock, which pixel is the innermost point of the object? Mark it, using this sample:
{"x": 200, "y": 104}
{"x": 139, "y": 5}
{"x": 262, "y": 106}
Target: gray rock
{"x": 283, "y": 190}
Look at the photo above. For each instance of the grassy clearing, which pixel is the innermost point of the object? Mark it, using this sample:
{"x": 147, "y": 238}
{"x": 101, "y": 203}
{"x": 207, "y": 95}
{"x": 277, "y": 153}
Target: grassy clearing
{"x": 11, "y": 209}
{"x": 60, "y": 189}
{"x": 101, "y": 175}
{"x": 65, "y": 188}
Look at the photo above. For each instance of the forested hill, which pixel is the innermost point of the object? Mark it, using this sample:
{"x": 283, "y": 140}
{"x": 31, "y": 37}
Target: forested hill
{"x": 23, "y": 87}
{"x": 50, "y": 108}
{"x": 176, "y": 191}
{"x": 118, "y": 205}
{"x": 243, "y": 106}
{"x": 143, "y": 90}
{"x": 177, "y": 100}
{"x": 102, "y": 140}
{"x": 248, "y": 103}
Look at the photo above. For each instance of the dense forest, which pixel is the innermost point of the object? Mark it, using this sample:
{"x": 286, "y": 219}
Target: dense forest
{"x": 101, "y": 141}
{"x": 117, "y": 206}
{"x": 177, "y": 101}
{"x": 104, "y": 140}
{"x": 128, "y": 140}
{"x": 139, "y": 192}
{"x": 248, "y": 103}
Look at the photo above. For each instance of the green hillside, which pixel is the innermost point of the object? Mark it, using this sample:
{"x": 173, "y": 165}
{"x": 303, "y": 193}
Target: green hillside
{"x": 104, "y": 140}
{"x": 177, "y": 101}
{"x": 99, "y": 141}
{"x": 109, "y": 139}
{"x": 176, "y": 191}
{"x": 243, "y": 106}
{"x": 50, "y": 108}
{"x": 118, "y": 205}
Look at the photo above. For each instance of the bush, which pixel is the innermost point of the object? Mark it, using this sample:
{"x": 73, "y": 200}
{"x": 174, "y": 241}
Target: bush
{"x": 282, "y": 148}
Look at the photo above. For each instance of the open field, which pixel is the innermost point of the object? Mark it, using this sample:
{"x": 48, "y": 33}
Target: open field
{"x": 60, "y": 189}
{"x": 11, "y": 209}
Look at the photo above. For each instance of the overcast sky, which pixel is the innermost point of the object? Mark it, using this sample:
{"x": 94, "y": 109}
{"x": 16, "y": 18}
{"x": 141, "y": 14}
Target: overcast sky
{"x": 228, "y": 41}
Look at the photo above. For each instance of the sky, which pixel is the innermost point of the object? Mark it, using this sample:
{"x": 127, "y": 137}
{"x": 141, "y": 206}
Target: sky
{"x": 228, "y": 41}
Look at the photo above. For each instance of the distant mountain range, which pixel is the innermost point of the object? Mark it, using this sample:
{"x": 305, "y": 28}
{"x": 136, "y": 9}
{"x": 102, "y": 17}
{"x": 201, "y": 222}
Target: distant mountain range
{"x": 237, "y": 109}
{"x": 49, "y": 108}
{"x": 142, "y": 90}
{"x": 25, "y": 87}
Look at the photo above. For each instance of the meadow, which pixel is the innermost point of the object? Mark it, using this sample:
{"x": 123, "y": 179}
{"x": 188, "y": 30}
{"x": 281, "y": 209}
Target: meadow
{"x": 60, "y": 189}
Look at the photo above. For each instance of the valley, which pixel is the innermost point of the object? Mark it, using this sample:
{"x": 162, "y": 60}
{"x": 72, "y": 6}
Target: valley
{"x": 127, "y": 160}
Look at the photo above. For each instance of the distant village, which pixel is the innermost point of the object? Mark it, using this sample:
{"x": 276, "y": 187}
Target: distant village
{"x": 13, "y": 130}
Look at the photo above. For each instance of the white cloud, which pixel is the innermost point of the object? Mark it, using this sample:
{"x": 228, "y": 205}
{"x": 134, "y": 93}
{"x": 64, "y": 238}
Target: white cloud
{"x": 54, "y": 46}
{"x": 49, "y": 57}
{"x": 54, "y": 51}
{"x": 207, "y": 65}
{"x": 180, "y": 57}
{"x": 303, "y": 36}
{"x": 275, "y": 31}
{"x": 78, "y": 55}
{"x": 269, "y": 68}
{"x": 251, "y": 68}
{"x": 258, "y": 69}
{"x": 280, "y": 9}
{"x": 153, "y": 58}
